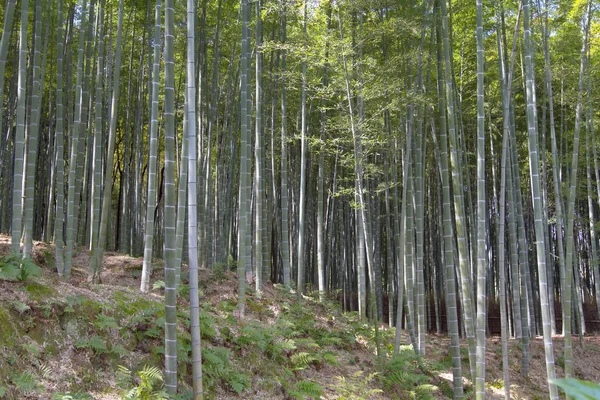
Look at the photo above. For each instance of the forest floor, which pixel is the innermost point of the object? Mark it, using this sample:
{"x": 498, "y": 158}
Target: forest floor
{"x": 62, "y": 340}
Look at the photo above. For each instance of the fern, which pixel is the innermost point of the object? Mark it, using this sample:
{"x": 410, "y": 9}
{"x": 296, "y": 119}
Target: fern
{"x": 331, "y": 341}
{"x": 356, "y": 387}
{"x": 46, "y": 371}
{"x": 305, "y": 389}
{"x": 279, "y": 347}
{"x": 578, "y": 389}
{"x": 123, "y": 377}
{"x": 216, "y": 367}
{"x": 9, "y": 271}
{"x": 15, "y": 268}
{"x": 105, "y": 322}
{"x": 118, "y": 350}
{"x": 307, "y": 343}
{"x": 207, "y": 326}
{"x": 238, "y": 382}
{"x": 158, "y": 285}
{"x": 71, "y": 396}
{"x": 402, "y": 372}
{"x": 252, "y": 336}
{"x": 150, "y": 385}
{"x": 424, "y": 392}
{"x": 25, "y": 381}
{"x": 20, "y": 307}
{"x": 98, "y": 344}
{"x": 303, "y": 359}
{"x": 330, "y": 358}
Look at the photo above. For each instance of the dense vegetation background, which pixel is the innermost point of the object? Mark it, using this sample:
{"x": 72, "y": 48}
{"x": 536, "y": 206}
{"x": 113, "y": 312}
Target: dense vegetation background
{"x": 433, "y": 166}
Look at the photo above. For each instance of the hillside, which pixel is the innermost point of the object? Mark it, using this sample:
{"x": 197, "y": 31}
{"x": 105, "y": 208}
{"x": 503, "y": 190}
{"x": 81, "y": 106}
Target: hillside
{"x": 87, "y": 341}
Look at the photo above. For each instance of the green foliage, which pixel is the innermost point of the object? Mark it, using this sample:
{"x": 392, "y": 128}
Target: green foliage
{"x": 26, "y": 381}
{"x": 303, "y": 360}
{"x": 118, "y": 350}
{"x": 278, "y": 349}
{"x": 71, "y": 396}
{"x": 330, "y": 358}
{"x": 578, "y": 389}
{"x": 32, "y": 348}
{"x": 105, "y": 322}
{"x": 158, "y": 285}
{"x": 304, "y": 389}
{"x": 2, "y": 391}
{"x": 216, "y": 367}
{"x": 355, "y": 387}
{"x": 149, "y": 385}
{"x": 15, "y": 268}
{"x": 254, "y": 336}
{"x": 207, "y": 326}
{"x": 183, "y": 290}
{"x": 20, "y": 307}
{"x": 403, "y": 374}
{"x": 96, "y": 343}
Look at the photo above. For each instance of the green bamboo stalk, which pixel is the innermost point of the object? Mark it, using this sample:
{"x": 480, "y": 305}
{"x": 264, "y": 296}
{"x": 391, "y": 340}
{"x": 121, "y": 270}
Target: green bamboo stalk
{"x": 19, "y": 146}
{"x": 534, "y": 170}
{"x": 482, "y": 263}
{"x": 192, "y": 206}
{"x": 152, "y": 155}
{"x": 169, "y": 206}
{"x": 569, "y": 265}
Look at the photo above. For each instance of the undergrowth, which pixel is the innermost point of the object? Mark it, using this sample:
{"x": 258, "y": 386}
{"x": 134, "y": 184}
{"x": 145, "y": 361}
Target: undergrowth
{"x": 278, "y": 349}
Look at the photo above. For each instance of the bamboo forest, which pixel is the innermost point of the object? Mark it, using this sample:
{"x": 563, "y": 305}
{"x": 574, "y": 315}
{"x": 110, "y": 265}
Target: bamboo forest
{"x": 299, "y": 199}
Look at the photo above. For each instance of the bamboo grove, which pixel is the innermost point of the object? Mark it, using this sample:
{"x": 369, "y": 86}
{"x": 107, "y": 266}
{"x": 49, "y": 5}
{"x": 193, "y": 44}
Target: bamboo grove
{"x": 432, "y": 166}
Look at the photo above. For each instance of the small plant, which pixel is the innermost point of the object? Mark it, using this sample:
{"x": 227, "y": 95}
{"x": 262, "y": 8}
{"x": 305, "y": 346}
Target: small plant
{"x": 404, "y": 372}
{"x": 26, "y": 382}
{"x": 217, "y": 367}
{"x": 303, "y": 360}
{"x": 578, "y": 389}
{"x": 71, "y": 396}
{"x": 96, "y": 343}
{"x": 15, "y": 268}
{"x": 148, "y": 388}
{"x": 158, "y": 285}
{"x": 356, "y": 387}
{"x": 304, "y": 389}
{"x": 105, "y": 322}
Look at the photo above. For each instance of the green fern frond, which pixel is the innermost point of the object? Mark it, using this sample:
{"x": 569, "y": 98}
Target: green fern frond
{"x": 104, "y": 322}
{"x": 46, "y": 371}
{"x": 118, "y": 350}
{"x": 158, "y": 285}
{"x": 97, "y": 344}
{"x": 305, "y": 389}
{"x": 424, "y": 392}
{"x": 307, "y": 343}
{"x": 356, "y": 387}
{"x": 207, "y": 326}
{"x": 285, "y": 345}
{"x": 20, "y": 307}
{"x": 123, "y": 377}
{"x": 238, "y": 382}
{"x": 28, "y": 268}
{"x": 25, "y": 381}
{"x": 330, "y": 358}
{"x": 303, "y": 359}
{"x": 331, "y": 341}
{"x": 151, "y": 374}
